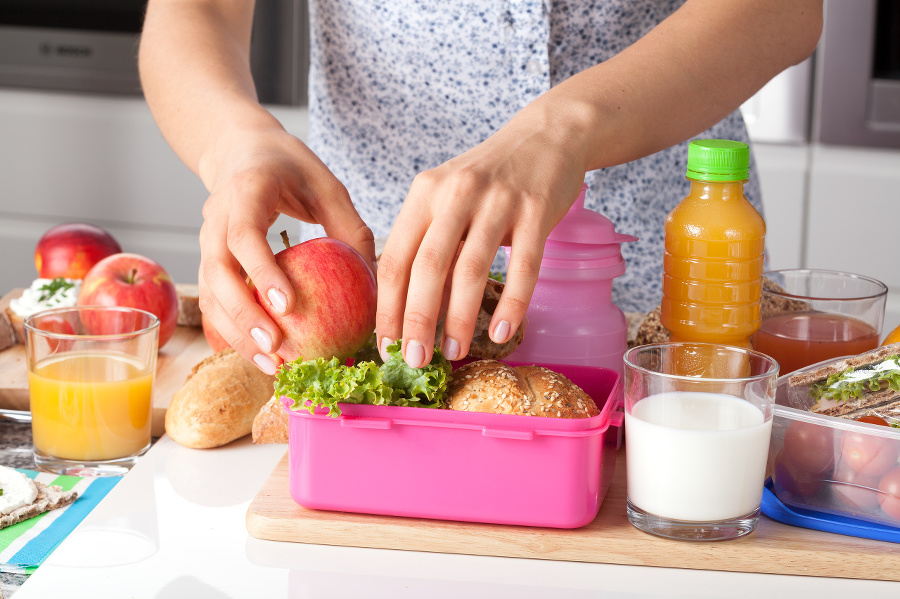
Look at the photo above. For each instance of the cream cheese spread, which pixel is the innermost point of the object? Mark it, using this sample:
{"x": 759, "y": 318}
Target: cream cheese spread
{"x": 44, "y": 294}
{"x": 16, "y": 490}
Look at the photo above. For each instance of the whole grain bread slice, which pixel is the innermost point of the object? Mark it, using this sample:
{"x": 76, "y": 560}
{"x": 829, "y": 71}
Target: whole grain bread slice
{"x": 48, "y": 498}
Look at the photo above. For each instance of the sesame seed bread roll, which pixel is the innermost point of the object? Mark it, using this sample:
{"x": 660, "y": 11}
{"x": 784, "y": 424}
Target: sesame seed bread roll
{"x": 495, "y": 387}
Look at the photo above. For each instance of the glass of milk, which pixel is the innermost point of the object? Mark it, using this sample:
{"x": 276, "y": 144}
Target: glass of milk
{"x": 696, "y": 446}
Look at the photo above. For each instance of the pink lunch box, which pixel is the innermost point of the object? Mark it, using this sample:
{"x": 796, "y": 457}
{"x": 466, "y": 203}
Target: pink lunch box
{"x": 467, "y": 466}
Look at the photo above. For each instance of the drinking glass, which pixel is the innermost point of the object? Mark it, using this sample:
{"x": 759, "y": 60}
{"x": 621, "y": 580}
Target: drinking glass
{"x": 90, "y": 380}
{"x": 818, "y": 315}
{"x": 696, "y": 446}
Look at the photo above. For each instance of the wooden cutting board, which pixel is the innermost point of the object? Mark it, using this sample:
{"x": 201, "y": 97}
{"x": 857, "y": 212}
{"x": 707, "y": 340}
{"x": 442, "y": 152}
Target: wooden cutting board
{"x": 772, "y": 548}
{"x": 186, "y": 348}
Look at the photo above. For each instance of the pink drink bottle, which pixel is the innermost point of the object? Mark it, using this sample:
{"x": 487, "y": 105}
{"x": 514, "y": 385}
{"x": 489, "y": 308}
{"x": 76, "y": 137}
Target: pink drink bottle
{"x": 572, "y": 318}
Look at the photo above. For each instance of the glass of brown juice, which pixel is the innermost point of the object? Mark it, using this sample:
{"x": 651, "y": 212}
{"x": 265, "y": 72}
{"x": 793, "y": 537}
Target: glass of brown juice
{"x": 811, "y": 315}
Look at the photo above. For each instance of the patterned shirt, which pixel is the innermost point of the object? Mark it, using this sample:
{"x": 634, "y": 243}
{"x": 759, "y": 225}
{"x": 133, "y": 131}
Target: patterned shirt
{"x": 400, "y": 87}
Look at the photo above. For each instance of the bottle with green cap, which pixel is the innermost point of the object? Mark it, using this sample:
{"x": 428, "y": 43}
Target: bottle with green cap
{"x": 714, "y": 246}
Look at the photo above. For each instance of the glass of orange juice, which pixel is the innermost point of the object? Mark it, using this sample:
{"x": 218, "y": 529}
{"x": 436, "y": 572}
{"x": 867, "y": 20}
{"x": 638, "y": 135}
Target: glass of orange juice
{"x": 817, "y": 315}
{"x": 90, "y": 379}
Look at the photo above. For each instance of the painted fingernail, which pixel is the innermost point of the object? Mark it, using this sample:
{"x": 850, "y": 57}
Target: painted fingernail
{"x": 382, "y": 349}
{"x": 265, "y": 363}
{"x": 501, "y": 332}
{"x": 278, "y": 300}
{"x": 262, "y": 338}
{"x": 415, "y": 354}
{"x": 451, "y": 348}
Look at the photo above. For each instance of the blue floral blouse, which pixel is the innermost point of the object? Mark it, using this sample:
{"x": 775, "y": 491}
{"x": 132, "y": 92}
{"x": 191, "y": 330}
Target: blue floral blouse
{"x": 397, "y": 87}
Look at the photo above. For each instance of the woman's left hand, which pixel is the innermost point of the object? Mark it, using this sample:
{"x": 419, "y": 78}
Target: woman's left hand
{"x": 510, "y": 190}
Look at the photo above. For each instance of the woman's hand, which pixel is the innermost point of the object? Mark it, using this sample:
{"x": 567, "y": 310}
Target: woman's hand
{"x": 260, "y": 173}
{"x": 510, "y": 190}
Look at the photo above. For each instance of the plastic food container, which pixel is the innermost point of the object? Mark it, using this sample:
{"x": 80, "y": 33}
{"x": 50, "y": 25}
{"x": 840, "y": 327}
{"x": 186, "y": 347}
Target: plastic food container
{"x": 467, "y": 466}
{"x": 833, "y": 466}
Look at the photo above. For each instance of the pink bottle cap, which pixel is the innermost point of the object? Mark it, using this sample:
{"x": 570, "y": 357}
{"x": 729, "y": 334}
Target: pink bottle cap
{"x": 582, "y": 225}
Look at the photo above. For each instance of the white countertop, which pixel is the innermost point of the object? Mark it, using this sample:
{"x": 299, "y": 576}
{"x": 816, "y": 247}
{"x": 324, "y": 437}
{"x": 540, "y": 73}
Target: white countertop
{"x": 174, "y": 528}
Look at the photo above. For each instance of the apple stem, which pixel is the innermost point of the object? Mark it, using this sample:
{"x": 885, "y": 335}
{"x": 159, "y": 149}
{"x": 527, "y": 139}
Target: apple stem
{"x": 132, "y": 276}
{"x": 284, "y": 238}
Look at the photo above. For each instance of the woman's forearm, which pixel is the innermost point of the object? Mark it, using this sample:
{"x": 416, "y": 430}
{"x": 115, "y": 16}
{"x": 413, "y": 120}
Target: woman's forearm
{"x": 195, "y": 72}
{"x": 684, "y": 76}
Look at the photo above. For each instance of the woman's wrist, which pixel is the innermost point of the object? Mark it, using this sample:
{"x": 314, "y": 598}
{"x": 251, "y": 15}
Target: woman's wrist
{"x": 231, "y": 136}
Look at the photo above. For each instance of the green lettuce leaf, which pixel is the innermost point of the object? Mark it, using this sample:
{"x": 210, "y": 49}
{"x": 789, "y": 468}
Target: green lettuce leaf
{"x": 424, "y": 387}
{"x": 321, "y": 382}
{"x": 854, "y": 382}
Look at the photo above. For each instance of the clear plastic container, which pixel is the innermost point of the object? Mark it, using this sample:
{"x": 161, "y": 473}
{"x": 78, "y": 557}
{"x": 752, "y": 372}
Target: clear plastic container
{"x": 833, "y": 466}
{"x": 466, "y": 466}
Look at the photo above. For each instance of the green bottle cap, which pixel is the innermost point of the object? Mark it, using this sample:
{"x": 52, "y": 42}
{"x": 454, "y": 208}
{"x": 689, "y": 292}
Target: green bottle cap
{"x": 718, "y": 160}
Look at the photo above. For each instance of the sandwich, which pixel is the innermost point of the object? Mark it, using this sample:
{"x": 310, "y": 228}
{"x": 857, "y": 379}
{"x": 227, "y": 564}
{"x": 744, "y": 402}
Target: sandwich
{"x": 864, "y": 385}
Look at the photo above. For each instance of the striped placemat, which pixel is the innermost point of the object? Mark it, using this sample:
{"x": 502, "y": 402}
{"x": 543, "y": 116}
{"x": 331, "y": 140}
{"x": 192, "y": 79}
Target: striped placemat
{"x": 25, "y": 545}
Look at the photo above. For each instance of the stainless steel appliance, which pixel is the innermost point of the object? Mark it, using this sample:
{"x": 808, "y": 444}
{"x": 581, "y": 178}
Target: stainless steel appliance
{"x": 856, "y": 98}
{"x": 91, "y": 46}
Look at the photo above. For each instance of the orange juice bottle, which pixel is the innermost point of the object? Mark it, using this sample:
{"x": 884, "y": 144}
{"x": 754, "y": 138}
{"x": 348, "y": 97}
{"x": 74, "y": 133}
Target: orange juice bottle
{"x": 714, "y": 245}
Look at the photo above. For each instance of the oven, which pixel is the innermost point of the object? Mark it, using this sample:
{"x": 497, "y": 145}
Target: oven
{"x": 856, "y": 94}
{"x": 91, "y": 46}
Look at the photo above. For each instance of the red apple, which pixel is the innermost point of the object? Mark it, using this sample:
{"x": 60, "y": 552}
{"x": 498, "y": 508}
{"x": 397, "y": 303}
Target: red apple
{"x": 213, "y": 338}
{"x": 70, "y": 250}
{"x": 334, "y": 314}
{"x": 133, "y": 281}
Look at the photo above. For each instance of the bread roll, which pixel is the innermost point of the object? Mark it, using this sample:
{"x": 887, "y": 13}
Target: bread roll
{"x": 271, "y": 423}
{"x": 218, "y": 401}
{"x": 492, "y": 386}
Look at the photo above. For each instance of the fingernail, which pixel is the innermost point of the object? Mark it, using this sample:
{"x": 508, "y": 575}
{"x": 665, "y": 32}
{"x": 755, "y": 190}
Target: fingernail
{"x": 501, "y": 332}
{"x": 262, "y": 338}
{"x": 382, "y": 349}
{"x": 415, "y": 354}
{"x": 265, "y": 363}
{"x": 451, "y": 348}
{"x": 278, "y": 300}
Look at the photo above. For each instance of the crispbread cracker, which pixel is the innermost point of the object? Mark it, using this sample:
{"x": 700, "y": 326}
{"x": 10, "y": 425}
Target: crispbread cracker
{"x": 48, "y": 498}
{"x": 651, "y": 329}
{"x": 774, "y": 302}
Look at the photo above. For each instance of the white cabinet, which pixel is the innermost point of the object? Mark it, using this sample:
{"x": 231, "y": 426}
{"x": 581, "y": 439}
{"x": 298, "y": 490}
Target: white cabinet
{"x": 783, "y": 173}
{"x": 99, "y": 159}
{"x": 854, "y": 215}
{"x": 835, "y": 208}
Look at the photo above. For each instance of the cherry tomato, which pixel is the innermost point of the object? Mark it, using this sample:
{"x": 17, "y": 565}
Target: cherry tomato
{"x": 869, "y": 455}
{"x": 889, "y": 485}
{"x": 810, "y": 447}
{"x": 792, "y": 483}
{"x": 855, "y": 491}
{"x": 873, "y": 420}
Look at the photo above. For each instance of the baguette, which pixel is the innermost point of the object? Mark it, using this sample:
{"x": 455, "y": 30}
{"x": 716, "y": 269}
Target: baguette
{"x": 218, "y": 401}
{"x": 492, "y": 386}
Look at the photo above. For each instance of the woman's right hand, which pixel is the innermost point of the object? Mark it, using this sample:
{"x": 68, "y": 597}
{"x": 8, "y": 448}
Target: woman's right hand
{"x": 255, "y": 174}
